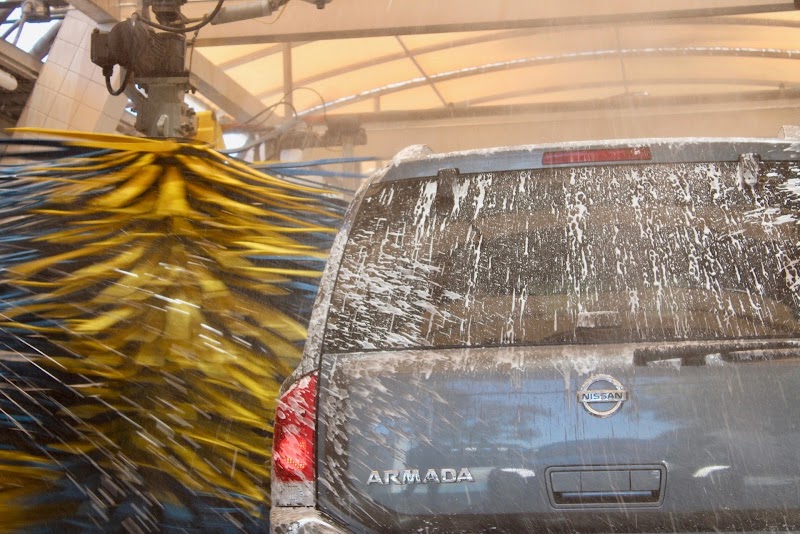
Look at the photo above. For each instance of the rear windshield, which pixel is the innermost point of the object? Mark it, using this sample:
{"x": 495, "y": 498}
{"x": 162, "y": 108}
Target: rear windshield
{"x": 571, "y": 255}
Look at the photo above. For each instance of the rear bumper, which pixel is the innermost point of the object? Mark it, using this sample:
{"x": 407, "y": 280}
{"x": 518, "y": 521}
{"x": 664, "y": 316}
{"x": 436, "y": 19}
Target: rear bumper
{"x": 301, "y": 520}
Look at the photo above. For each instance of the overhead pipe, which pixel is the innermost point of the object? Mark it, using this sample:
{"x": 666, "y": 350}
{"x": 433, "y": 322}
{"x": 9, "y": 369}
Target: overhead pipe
{"x": 4, "y": 14}
{"x": 13, "y": 27}
{"x": 255, "y": 9}
{"x": 45, "y": 42}
{"x": 7, "y": 81}
{"x": 542, "y": 108}
{"x": 244, "y": 11}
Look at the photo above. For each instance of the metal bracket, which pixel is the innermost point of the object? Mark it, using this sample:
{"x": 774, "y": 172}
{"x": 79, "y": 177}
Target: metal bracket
{"x": 163, "y": 113}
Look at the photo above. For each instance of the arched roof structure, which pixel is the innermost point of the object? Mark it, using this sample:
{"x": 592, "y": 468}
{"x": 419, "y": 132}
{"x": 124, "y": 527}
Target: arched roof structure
{"x": 464, "y": 74}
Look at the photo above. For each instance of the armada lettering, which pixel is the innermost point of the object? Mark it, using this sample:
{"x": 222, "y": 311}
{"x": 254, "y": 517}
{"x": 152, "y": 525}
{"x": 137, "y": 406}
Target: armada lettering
{"x": 431, "y": 476}
{"x": 448, "y": 475}
{"x": 465, "y": 476}
{"x": 412, "y": 476}
{"x": 391, "y": 477}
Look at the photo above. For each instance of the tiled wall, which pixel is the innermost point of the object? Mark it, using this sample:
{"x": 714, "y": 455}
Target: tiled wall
{"x": 70, "y": 93}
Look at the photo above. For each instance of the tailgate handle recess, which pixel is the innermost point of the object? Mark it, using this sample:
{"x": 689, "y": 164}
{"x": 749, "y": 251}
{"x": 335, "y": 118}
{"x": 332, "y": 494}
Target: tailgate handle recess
{"x": 584, "y": 486}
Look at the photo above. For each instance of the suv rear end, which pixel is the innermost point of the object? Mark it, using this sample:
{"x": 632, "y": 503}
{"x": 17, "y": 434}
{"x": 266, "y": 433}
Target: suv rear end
{"x": 557, "y": 338}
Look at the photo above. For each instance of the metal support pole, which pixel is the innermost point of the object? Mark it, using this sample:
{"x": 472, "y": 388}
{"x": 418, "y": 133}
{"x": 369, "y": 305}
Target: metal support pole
{"x": 288, "y": 82}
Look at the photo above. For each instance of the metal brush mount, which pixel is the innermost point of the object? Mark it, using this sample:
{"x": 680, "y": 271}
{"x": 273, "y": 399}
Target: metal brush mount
{"x": 155, "y": 75}
{"x": 155, "y": 63}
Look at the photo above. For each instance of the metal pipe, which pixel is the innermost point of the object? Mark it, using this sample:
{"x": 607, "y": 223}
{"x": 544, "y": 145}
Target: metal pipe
{"x": 4, "y": 14}
{"x": 22, "y": 21}
{"x": 45, "y": 42}
{"x": 288, "y": 82}
{"x": 249, "y": 10}
{"x": 7, "y": 81}
{"x": 541, "y": 109}
{"x": 539, "y": 24}
{"x": 11, "y": 29}
{"x": 529, "y": 62}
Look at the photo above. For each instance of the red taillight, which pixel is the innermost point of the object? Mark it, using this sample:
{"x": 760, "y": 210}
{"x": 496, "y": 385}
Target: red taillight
{"x": 293, "y": 441}
{"x": 597, "y": 156}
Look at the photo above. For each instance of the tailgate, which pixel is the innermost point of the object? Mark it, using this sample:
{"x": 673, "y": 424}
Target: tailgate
{"x": 444, "y": 441}
{"x": 471, "y": 309}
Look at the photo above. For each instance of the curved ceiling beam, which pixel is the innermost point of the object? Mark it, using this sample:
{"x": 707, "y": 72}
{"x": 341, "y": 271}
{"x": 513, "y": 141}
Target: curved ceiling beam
{"x": 594, "y": 55}
{"x": 492, "y": 37}
{"x": 742, "y": 21}
{"x": 478, "y": 107}
{"x": 780, "y": 97}
{"x": 499, "y": 35}
{"x": 258, "y": 54}
{"x": 455, "y": 43}
{"x": 550, "y": 89}
{"x": 733, "y": 20}
{"x": 373, "y": 19}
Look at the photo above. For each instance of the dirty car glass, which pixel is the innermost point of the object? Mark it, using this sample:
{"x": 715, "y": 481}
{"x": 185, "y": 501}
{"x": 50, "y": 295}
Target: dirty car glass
{"x": 570, "y": 255}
